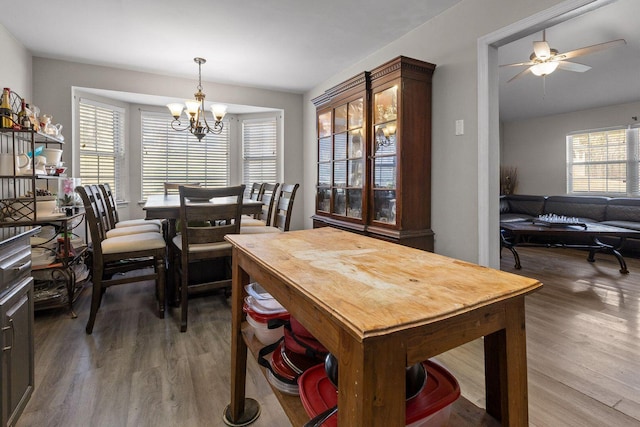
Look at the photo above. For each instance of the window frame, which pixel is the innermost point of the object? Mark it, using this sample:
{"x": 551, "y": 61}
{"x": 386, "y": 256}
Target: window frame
{"x": 119, "y": 148}
{"x": 273, "y": 159}
{"x": 632, "y": 165}
{"x": 174, "y": 139}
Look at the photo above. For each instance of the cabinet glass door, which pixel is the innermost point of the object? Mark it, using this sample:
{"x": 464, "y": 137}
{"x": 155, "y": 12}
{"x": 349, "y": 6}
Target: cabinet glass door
{"x": 385, "y": 155}
{"x": 355, "y": 162}
{"x": 325, "y": 156}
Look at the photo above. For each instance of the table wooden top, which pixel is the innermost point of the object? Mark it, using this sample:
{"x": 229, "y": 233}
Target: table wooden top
{"x": 373, "y": 287}
{"x": 161, "y": 201}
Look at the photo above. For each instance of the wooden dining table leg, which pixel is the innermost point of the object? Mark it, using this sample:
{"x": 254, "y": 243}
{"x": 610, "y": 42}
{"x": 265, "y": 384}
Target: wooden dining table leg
{"x": 241, "y": 411}
{"x": 505, "y": 355}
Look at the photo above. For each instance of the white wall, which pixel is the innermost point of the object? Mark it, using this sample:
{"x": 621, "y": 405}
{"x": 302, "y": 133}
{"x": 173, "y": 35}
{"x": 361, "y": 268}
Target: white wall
{"x": 15, "y": 67}
{"x": 54, "y": 80}
{"x": 537, "y": 147}
{"x": 449, "y": 41}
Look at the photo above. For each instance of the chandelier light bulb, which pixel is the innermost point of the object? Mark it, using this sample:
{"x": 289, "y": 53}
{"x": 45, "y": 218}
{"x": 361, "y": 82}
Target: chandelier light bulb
{"x": 218, "y": 111}
{"x": 176, "y": 109}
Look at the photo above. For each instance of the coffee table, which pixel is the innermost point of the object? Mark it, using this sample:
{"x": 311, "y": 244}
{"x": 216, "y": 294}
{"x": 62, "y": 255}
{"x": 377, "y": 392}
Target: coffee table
{"x": 513, "y": 234}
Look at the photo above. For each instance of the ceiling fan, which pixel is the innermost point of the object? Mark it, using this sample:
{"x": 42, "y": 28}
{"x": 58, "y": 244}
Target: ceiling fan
{"x": 545, "y": 60}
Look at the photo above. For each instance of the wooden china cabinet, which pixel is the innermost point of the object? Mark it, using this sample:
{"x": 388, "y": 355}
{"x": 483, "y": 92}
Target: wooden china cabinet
{"x": 374, "y": 154}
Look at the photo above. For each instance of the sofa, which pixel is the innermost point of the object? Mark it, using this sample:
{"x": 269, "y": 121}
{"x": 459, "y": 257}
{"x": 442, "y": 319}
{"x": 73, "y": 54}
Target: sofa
{"x": 621, "y": 212}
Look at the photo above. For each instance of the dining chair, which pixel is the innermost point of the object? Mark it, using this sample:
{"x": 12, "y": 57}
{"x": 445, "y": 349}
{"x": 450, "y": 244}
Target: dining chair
{"x": 101, "y": 207}
{"x": 206, "y": 216}
{"x": 121, "y": 254}
{"x": 257, "y": 190}
{"x": 269, "y": 193}
{"x": 112, "y": 211}
{"x": 172, "y": 187}
{"x": 281, "y": 219}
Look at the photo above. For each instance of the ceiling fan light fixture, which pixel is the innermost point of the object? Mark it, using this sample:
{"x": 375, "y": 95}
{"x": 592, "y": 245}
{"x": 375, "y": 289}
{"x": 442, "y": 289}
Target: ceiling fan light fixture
{"x": 544, "y": 68}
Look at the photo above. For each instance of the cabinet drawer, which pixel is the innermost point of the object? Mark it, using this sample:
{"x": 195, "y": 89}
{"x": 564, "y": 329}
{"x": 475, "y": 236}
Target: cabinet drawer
{"x": 15, "y": 263}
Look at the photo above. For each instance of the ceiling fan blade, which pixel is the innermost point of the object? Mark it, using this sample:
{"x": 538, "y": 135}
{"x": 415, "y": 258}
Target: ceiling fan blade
{"x": 591, "y": 49}
{"x": 573, "y": 66}
{"x": 542, "y": 50}
{"x": 518, "y": 64}
{"x": 520, "y": 74}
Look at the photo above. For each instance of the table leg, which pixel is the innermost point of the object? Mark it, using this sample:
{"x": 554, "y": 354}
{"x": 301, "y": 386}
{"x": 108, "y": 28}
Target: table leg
{"x": 505, "y": 354}
{"x": 506, "y": 243}
{"x": 614, "y": 250}
{"x": 371, "y": 388}
{"x": 241, "y": 411}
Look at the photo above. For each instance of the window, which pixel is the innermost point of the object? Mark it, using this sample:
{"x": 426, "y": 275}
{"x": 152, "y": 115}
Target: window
{"x": 259, "y": 142}
{"x": 173, "y": 156}
{"x": 603, "y": 161}
{"x": 101, "y": 143}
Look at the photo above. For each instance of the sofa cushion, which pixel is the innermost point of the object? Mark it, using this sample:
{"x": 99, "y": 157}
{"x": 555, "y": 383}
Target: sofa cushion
{"x": 587, "y": 209}
{"x": 623, "y": 209}
{"x": 523, "y": 204}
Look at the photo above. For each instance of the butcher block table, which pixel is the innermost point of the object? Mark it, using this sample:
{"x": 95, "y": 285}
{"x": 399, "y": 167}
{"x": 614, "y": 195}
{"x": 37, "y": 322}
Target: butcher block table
{"x": 380, "y": 307}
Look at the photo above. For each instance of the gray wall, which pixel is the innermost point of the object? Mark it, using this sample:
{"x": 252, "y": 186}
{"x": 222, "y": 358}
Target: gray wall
{"x": 15, "y": 67}
{"x": 537, "y": 147}
{"x": 449, "y": 41}
{"x": 54, "y": 81}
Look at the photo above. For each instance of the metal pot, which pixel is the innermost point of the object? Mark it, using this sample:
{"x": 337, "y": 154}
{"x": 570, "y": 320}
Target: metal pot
{"x": 416, "y": 376}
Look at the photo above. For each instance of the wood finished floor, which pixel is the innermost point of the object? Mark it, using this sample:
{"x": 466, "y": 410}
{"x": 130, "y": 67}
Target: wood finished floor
{"x": 583, "y": 345}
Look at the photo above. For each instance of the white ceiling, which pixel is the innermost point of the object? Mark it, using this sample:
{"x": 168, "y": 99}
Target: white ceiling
{"x": 288, "y": 45}
{"x": 613, "y": 79}
{"x": 293, "y": 45}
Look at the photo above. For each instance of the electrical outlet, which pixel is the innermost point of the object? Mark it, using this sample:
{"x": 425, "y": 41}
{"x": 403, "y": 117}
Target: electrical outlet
{"x": 459, "y": 127}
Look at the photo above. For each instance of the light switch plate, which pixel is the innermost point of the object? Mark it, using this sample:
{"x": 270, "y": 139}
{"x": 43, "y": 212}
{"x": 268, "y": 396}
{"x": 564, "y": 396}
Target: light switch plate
{"x": 459, "y": 127}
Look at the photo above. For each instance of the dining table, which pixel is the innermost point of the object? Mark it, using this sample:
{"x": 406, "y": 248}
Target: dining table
{"x": 167, "y": 206}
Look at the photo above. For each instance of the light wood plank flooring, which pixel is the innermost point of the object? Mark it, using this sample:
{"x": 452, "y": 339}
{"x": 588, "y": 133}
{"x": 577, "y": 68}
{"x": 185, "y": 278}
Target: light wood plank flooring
{"x": 137, "y": 370}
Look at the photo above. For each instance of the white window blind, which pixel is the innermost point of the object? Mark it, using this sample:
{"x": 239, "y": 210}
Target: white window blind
{"x": 603, "y": 161}
{"x": 259, "y": 151}
{"x": 172, "y": 156}
{"x": 101, "y": 143}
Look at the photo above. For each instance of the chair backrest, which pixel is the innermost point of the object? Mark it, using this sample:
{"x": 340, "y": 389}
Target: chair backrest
{"x": 257, "y": 190}
{"x": 208, "y": 214}
{"x": 284, "y": 206}
{"x": 269, "y": 195}
{"x": 100, "y": 206}
{"x": 110, "y": 203}
{"x": 172, "y": 187}
{"x": 96, "y": 226}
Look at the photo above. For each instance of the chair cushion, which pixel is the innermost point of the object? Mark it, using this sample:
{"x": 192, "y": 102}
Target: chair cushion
{"x": 259, "y": 230}
{"x": 251, "y": 222}
{"x": 132, "y": 243}
{"x": 141, "y": 221}
{"x": 203, "y": 247}
{"x": 123, "y": 231}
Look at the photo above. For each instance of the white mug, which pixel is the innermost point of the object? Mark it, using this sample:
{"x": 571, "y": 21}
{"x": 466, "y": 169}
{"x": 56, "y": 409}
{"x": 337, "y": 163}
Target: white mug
{"x": 23, "y": 164}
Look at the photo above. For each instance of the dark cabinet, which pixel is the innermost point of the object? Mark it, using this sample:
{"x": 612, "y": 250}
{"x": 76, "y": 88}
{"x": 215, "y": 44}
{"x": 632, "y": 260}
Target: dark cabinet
{"x": 16, "y": 341}
{"x": 16, "y": 322}
{"x": 374, "y": 154}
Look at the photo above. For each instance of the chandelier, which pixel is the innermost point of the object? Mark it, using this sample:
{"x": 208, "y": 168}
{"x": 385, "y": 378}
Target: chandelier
{"x": 198, "y": 124}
